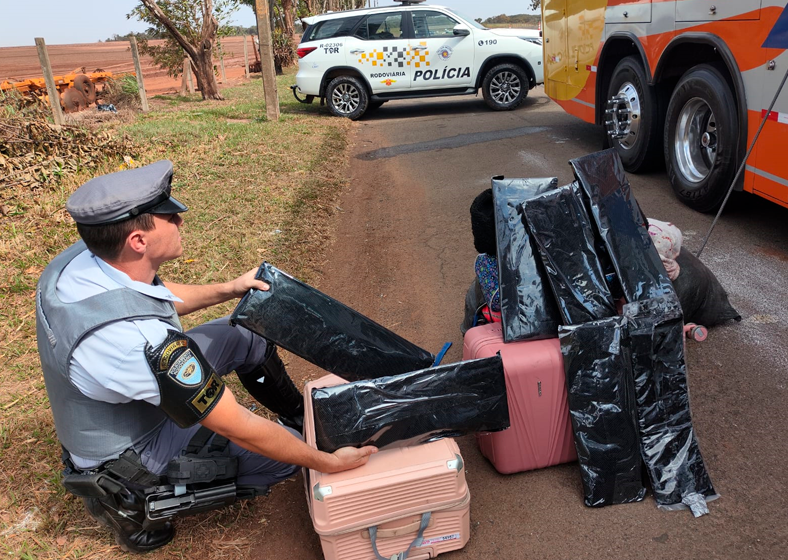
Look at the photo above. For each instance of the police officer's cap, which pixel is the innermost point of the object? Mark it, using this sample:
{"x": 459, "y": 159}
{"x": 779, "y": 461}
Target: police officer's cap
{"x": 112, "y": 198}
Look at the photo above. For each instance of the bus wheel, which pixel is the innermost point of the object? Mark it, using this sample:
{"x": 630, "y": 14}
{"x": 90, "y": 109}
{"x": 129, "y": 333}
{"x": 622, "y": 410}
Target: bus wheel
{"x": 701, "y": 135}
{"x": 632, "y": 116}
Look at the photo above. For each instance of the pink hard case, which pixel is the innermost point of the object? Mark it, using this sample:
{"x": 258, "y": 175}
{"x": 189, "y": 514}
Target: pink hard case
{"x": 392, "y": 492}
{"x": 541, "y": 432}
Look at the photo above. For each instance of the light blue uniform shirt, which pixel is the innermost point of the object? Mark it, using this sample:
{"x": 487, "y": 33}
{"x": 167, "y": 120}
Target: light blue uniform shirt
{"x": 109, "y": 364}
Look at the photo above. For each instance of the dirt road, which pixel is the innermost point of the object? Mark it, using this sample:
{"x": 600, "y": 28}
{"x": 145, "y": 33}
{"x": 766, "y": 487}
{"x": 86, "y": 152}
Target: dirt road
{"x": 403, "y": 255}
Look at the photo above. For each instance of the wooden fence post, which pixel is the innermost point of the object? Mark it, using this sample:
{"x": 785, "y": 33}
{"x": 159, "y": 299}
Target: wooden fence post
{"x": 263, "y": 14}
{"x": 46, "y": 68}
{"x": 221, "y": 64}
{"x": 246, "y": 58}
{"x": 187, "y": 71}
{"x": 135, "y": 54}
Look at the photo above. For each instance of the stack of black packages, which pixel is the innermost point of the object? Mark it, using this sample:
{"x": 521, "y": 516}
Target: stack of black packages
{"x": 626, "y": 375}
{"x": 598, "y": 375}
{"x": 393, "y": 400}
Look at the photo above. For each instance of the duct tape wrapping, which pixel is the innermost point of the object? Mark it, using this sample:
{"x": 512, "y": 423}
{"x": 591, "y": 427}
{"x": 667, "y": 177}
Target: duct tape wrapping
{"x": 528, "y": 310}
{"x": 603, "y": 411}
{"x": 412, "y": 408}
{"x": 622, "y": 226}
{"x": 564, "y": 235}
{"x": 327, "y": 333}
{"x": 668, "y": 444}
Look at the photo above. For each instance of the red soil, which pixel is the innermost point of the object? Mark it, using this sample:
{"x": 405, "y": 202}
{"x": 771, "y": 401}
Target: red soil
{"x": 20, "y": 63}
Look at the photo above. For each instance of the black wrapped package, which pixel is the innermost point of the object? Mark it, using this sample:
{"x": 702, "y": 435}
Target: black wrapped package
{"x": 319, "y": 329}
{"x": 703, "y": 299}
{"x": 562, "y": 230}
{"x": 603, "y": 411}
{"x": 668, "y": 444}
{"x": 528, "y": 310}
{"x": 411, "y": 408}
{"x": 622, "y": 226}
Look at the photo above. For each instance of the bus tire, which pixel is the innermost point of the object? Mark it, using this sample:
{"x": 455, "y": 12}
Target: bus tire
{"x": 636, "y": 116}
{"x": 701, "y": 137}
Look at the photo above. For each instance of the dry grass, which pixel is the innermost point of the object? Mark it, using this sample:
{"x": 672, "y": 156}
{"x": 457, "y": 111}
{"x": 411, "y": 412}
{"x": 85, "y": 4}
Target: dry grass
{"x": 256, "y": 191}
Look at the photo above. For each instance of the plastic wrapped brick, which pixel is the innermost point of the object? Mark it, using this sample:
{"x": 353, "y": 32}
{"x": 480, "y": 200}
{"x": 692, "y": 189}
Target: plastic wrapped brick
{"x": 327, "y": 333}
{"x": 603, "y": 411}
{"x": 668, "y": 444}
{"x": 412, "y": 408}
{"x": 622, "y": 226}
{"x": 528, "y": 310}
{"x": 563, "y": 233}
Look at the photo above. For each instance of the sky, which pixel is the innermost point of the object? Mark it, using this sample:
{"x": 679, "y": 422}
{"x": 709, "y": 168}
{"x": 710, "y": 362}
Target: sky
{"x": 87, "y": 21}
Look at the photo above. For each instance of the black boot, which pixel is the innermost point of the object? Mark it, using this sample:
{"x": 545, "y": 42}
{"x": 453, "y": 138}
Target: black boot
{"x": 124, "y": 515}
{"x": 271, "y": 386}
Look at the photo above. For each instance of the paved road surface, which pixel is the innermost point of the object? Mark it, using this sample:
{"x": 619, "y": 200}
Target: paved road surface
{"x": 403, "y": 255}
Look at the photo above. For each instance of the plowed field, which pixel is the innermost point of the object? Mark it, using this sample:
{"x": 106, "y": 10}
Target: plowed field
{"x": 20, "y": 63}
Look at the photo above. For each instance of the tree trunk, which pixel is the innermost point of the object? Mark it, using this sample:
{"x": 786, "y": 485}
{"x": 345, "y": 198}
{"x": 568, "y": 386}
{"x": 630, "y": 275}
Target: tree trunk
{"x": 206, "y": 77}
{"x": 200, "y": 54}
{"x": 288, "y": 19}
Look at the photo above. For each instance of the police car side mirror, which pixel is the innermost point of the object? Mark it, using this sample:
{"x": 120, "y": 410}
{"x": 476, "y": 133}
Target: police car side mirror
{"x": 461, "y": 30}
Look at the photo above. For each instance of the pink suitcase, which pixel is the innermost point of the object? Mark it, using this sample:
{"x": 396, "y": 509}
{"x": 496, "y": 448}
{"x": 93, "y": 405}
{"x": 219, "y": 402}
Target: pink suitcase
{"x": 397, "y": 491}
{"x": 541, "y": 431}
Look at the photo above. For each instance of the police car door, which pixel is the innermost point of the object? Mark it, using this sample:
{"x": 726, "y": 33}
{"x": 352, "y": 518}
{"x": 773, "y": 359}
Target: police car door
{"x": 441, "y": 59}
{"x": 378, "y": 50}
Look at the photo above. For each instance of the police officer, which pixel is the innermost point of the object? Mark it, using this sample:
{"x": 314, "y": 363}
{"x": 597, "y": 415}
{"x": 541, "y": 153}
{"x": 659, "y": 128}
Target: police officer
{"x": 126, "y": 383}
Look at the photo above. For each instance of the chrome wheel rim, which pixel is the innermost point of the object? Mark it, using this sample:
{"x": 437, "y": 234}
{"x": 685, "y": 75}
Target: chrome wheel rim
{"x": 624, "y": 116}
{"x": 505, "y": 87}
{"x": 696, "y": 140}
{"x": 345, "y": 98}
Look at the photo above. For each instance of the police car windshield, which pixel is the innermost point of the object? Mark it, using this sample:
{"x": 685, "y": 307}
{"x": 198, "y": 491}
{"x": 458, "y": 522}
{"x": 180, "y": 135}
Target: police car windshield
{"x": 469, "y": 21}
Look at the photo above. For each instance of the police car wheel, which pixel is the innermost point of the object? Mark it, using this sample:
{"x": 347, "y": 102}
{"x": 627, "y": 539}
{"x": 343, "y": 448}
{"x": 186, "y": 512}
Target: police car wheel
{"x": 505, "y": 87}
{"x": 347, "y": 97}
{"x": 632, "y": 117}
{"x": 701, "y": 138}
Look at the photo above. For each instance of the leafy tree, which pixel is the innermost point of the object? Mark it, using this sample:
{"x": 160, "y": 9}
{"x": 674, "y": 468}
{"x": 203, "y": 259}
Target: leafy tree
{"x": 191, "y": 28}
{"x": 536, "y": 4}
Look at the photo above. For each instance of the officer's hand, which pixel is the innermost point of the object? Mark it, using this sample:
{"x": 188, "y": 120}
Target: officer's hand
{"x": 348, "y": 458}
{"x": 246, "y": 282}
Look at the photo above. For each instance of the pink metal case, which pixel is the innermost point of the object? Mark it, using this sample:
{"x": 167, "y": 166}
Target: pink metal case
{"x": 392, "y": 492}
{"x": 541, "y": 431}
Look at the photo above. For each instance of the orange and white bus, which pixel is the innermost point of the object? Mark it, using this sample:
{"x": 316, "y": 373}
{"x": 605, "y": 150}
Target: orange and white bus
{"x": 687, "y": 81}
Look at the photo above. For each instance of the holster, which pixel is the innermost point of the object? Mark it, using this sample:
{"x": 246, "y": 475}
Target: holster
{"x": 187, "y": 488}
{"x": 201, "y": 463}
{"x": 97, "y": 485}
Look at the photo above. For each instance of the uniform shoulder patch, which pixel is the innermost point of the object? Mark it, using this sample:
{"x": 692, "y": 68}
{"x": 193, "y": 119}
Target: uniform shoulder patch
{"x": 188, "y": 385}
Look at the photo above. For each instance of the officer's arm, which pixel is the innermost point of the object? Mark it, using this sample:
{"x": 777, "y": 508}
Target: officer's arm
{"x": 197, "y": 297}
{"x": 264, "y": 437}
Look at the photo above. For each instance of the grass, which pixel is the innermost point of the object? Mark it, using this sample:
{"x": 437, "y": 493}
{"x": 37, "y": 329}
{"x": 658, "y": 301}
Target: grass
{"x": 256, "y": 190}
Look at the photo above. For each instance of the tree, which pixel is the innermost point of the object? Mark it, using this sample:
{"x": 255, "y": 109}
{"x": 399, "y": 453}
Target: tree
{"x": 193, "y": 28}
{"x": 536, "y": 4}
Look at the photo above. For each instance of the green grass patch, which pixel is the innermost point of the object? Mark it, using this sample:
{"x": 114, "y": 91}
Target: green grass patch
{"x": 256, "y": 190}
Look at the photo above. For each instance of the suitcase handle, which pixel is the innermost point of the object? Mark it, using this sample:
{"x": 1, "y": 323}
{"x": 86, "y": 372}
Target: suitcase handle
{"x": 422, "y": 525}
{"x": 397, "y": 531}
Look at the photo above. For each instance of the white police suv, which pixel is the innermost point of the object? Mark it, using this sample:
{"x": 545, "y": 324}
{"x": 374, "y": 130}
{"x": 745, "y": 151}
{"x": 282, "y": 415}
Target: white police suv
{"x": 357, "y": 60}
